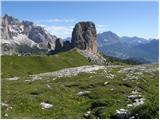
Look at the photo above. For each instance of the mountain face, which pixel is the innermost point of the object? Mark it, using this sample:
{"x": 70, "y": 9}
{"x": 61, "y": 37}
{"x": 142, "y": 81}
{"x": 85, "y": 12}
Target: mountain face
{"x": 128, "y": 47}
{"x": 132, "y": 41}
{"x": 15, "y": 33}
{"x": 107, "y": 38}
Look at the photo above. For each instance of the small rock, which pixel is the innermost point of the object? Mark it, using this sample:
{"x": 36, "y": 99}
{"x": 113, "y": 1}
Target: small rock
{"x": 36, "y": 77}
{"x": 90, "y": 76}
{"x": 134, "y": 92}
{"x": 6, "y": 115}
{"x": 45, "y": 105}
{"x": 83, "y": 93}
{"x": 132, "y": 97}
{"x": 129, "y": 105}
{"x": 112, "y": 89}
{"x": 4, "y": 104}
{"x": 132, "y": 117}
{"x": 138, "y": 102}
{"x": 106, "y": 83}
{"x": 49, "y": 86}
{"x": 87, "y": 114}
{"x": 13, "y": 78}
{"x": 28, "y": 80}
{"x": 122, "y": 114}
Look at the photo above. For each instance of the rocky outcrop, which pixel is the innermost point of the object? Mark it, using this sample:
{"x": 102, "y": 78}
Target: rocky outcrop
{"x": 84, "y": 36}
{"x": 94, "y": 58}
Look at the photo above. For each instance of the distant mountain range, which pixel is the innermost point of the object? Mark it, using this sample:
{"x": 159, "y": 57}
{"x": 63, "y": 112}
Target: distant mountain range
{"x": 23, "y": 37}
{"x": 146, "y": 51}
{"x": 17, "y": 34}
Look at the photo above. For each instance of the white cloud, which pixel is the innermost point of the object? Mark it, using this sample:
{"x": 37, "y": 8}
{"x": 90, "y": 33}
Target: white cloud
{"x": 101, "y": 28}
{"x": 66, "y": 31}
{"x": 60, "y": 31}
{"x": 57, "y": 20}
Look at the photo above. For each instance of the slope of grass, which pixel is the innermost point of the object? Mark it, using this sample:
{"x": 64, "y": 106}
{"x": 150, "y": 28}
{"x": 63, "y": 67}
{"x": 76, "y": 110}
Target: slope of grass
{"x": 27, "y": 65}
{"x": 103, "y": 101}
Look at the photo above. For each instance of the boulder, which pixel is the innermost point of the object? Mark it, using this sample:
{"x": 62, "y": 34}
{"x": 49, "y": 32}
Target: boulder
{"x": 84, "y": 36}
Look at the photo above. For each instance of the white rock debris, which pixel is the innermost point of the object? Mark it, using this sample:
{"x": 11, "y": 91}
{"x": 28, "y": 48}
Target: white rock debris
{"x": 106, "y": 83}
{"x": 27, "y": 80}
{"x": 13, "y": 78}
{"x": 90, "y": 76}
{"x": 132, "y": 97}
{"x": 132, "y": 117}
{"x": 135, "y": 72}
{"x": 83, "y": 93}
{"x": 86, "y": 114}
{"x": 129, "y": 105}
{"x": 136, "y": 98}
{"x": 49, "y": 86}
{"x": 138, "y": 102}
{"x": 134, "y": 92}
{"x": 45, "y": 105}
{"x": 122, "y": 113}
{"x": 6, "y": 115}
{"x": 112, "y": 89}
{"x": 68, "y": 72}
{"x": 4, "y": 104}
{"x": 139, "y": 69}
{"x": 110, "y": 76}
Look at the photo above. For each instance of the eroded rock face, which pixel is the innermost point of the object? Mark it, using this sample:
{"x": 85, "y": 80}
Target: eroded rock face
{"x": 58, "y": 44}
{"x": 15, "y": 33}
{"x": 84, "y": 36}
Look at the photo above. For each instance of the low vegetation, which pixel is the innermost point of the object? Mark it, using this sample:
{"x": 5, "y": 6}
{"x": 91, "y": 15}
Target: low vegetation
{"x": 28, "y": 65}
{"x": 101, "y": 92}
{"x": 25, "y": 49}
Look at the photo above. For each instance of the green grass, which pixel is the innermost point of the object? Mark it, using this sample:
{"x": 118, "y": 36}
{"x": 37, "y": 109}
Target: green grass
{"x": 27, "y": 65}
{"x": 66, "y": 104}
{"x": 25, "y": 97}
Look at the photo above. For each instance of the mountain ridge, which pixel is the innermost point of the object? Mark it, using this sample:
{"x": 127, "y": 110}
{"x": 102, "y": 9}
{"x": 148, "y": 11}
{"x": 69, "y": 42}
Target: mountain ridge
{"x": 15, "y": 32}
{"x": 129, "y": 47}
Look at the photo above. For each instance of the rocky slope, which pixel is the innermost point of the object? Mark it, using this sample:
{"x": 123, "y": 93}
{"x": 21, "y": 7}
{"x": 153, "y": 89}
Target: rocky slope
{"x": 15, "y": 32}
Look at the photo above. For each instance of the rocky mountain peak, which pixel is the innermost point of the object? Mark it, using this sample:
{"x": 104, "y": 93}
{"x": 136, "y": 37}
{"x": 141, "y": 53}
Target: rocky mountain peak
{"x": 10, "y": 20}
{"x": 84, "y": 36}
{"x": 15, "y": 33}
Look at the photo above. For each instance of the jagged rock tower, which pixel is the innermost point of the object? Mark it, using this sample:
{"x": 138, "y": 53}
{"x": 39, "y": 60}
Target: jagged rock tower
{"x": 84, "y": 36}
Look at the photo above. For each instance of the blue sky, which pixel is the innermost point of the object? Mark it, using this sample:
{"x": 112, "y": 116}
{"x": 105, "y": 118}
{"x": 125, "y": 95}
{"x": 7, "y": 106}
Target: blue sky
{"x": 123, "y": 18}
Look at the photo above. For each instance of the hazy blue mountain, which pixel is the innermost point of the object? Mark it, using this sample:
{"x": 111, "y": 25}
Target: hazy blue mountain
{"x": 107, "y": 38}
{"x": 133, "y": 40}
{"x": 128, "y": 47}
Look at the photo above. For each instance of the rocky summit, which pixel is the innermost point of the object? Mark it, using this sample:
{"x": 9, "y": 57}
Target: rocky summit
{"x": 84, "y": 36}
